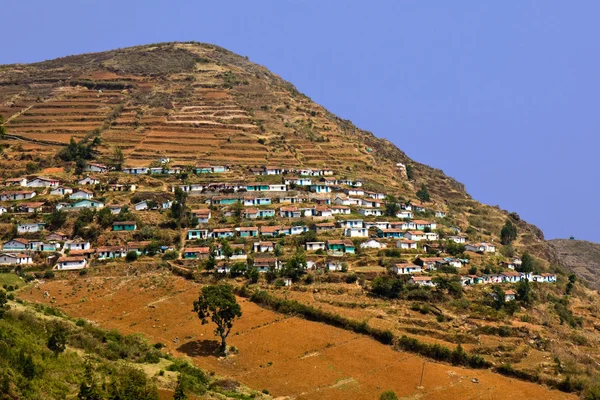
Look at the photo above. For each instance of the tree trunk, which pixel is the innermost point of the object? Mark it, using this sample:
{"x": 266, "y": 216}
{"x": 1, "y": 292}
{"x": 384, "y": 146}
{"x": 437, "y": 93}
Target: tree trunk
{"x": 223, "y": 348}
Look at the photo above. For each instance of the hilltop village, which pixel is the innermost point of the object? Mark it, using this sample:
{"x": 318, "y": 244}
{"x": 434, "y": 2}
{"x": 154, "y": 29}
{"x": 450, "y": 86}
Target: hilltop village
{"x": 276, "y": 221}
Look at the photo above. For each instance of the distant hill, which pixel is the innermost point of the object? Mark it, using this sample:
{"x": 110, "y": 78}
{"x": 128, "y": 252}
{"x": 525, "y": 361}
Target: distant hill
{"x": 581, "y": 257}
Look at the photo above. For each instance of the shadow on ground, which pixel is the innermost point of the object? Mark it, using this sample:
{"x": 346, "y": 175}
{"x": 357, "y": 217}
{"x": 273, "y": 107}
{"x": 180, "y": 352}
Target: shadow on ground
{"x": 200, "y": 348}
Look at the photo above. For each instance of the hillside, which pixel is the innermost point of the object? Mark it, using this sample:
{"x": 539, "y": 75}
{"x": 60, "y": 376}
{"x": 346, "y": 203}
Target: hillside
{"x": 134, "y": 178}
{"x": 580, "y": 257}
{"x": 199, "y": 103}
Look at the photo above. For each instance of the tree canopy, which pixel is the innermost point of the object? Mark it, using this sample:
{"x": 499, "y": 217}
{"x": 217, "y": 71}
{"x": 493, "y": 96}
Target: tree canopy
{"x": 508, "y": 234}
{"x": 218, "y": 303}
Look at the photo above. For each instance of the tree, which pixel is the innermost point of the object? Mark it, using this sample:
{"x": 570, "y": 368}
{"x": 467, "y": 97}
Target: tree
{"x": 57, "y": 341}
{"x": 388, "y": 395}
{"x": 508, "y": 234}
{"x": 218, "y": 302}
{"x": 131, "y": 256}
{"x": 524, "y": 293}
{"x": 423, "y": 194}
{"x": 89, "y": 390}
{"x": 295, "y": 266}
{"x": 105, "y": 217}
{"x": 57, "y": 219}
{"x": 410, "y": 174}
{"x": 118, "y": 158}
{"x": 3, "y": 302}
{"x": 527, "y": 263}
{"x": 499, "y": 297}
{"x": 180, "y": 389}
{"x": 385, "y": 286}
{"x": 391, "y": 206}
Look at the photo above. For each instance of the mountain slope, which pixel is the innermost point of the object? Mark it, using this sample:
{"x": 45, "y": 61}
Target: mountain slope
{"x": 199, "y": 103}
{"x": 580, "y": 257}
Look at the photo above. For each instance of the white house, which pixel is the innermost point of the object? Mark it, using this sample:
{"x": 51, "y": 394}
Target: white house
{"x": 350, "y": 223}
{"x": 406, "y": 244}
{"x": 68, "y": 263}
{"x": 61, "y": 191}
{"x": 14, "y": 259}
{"x": 404, "y": 214}
{"x": 377, "y": 224}
{"x": 30, "y": 227}
{"x": 42, "y": 181}
{"x": 421, "y": 281}
{"x": 356, "y": 232}
{"x": 343, "y": 210}
{"x": 77, "y": 245}
{"x": 81, "y": 194}
{"x": 314, "y": 246}
{"x": 262, "y": 247}
{"x": 372, "y": 244}
{"x": 406, "y": 268}
{"x": 18, "y": 195}
{"x": 88, "y": 180}
{"x": 142, "y": 205}
{"x": 481, "y": 247}
{"x": 370, "y": 212}
{"x": 458, "y": 239}
{"x": 95, "y": 167}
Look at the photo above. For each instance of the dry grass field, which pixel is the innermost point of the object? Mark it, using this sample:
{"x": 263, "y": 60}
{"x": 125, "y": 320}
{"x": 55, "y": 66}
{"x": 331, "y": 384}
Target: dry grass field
{"x": 288, "y": 356}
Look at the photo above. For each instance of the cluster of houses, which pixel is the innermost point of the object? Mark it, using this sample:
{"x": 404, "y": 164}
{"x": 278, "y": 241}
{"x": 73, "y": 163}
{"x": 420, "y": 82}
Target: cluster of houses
{"x": 340, "y": 208}
{"x": 424, "y": 265}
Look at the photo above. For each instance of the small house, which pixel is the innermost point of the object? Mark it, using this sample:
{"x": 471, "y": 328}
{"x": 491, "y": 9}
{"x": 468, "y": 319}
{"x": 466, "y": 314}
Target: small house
{"x": 314, "y": 246}
{"x": 88, "y": 180}
{"x": 61, "y": 191}
{"x": 421, "y": 281}
{"x": 30, "y": 227}
{"x": 197, "y": 234}
{"x": 95, "y": 167}
{"x": 247, "y": 231}
{"x": 263, "y": 247}
{"x": 15, "y": 259}
{"x": 406, "y": 268}
{"x": 42, "y": 181}
{"x": 81, "y": 194}
{"x": 372, "y": 244}
{"x": 199, "y": 253}
{"x": 124, "y": 226}
{"x": 110, "y": 252}
{"x": 70, "y": 263}
{"x": 356, "y": 232}
{"x": 406, "y": 244}
{"x": 339, "y": 247}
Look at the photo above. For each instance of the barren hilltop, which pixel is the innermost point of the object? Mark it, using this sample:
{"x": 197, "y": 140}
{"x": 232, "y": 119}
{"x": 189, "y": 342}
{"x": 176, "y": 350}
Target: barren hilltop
{"x": 136, "y": 177}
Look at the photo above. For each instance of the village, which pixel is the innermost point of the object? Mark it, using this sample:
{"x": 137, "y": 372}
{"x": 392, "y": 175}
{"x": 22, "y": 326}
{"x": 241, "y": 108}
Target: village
{"x": 239, "y": 224}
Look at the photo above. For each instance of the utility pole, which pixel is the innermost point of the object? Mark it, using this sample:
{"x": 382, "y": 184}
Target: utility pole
{"x": 422, "y": 372}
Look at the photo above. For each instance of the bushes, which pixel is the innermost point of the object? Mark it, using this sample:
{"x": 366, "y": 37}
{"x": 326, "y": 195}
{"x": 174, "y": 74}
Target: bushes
{"x": 442, "y": 353}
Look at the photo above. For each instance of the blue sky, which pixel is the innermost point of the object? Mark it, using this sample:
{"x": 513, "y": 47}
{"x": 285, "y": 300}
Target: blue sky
{"x": 503, "y": 96}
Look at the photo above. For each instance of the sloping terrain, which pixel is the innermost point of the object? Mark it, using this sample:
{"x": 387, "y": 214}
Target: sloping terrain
{"x": 199, "y": 103}
{"x": 580, "y": 257}
{"x": 367, "y": 326}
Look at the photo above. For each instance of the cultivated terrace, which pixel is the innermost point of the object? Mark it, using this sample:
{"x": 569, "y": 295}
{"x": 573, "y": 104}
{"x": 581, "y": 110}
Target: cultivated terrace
{"x": 188, "y": 158}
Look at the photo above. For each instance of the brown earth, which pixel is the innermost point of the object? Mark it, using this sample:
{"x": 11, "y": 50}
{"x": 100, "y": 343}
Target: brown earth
{"x": 289, "y": 356}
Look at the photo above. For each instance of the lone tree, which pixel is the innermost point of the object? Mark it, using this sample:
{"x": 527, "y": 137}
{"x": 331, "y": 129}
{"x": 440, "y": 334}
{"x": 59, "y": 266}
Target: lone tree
{"x": 218, "y": 303}
{"x": 57, "y": 342}
{"x": 423, "y": 194}
{"x": 508, "y": 233}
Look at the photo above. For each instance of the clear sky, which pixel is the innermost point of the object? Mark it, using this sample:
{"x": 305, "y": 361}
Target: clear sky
{"x": 502, "y": 96}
